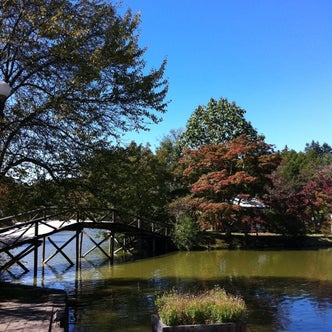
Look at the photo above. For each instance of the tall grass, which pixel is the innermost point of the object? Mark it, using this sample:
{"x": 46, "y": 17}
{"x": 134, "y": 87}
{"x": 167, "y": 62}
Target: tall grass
{"x": 209, "y": 307}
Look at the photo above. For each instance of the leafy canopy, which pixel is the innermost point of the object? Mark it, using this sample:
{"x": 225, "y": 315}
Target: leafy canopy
{"x": 220, "y": 173}
{"x": 130, "y": 178}
{"x": 216, "y": 123}
{"x": 78, "y": 80}
{"x": 300, "y": 196}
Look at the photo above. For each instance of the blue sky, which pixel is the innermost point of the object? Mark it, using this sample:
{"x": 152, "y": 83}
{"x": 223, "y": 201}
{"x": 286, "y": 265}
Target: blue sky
{"x": 272, "y": 57}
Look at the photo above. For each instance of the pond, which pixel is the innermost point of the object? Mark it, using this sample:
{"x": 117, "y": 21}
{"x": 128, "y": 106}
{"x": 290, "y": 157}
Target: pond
{"x": 288, "y": 290}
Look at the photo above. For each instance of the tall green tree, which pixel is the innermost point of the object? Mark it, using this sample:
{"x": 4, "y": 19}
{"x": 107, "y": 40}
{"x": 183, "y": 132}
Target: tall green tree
{"x": 169, "y": 153}
{"x": 78, "y": 80}
{"x": 129, "y": 178}
{"x": 320, "y": 149}
{"x": 216, "y": 123}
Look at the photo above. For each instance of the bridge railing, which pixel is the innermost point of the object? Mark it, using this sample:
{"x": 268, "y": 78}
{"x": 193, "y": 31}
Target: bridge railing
{"x": 23, "y": 229}
{"x": 118, "y": 216}
{"x": 12, "y": 235}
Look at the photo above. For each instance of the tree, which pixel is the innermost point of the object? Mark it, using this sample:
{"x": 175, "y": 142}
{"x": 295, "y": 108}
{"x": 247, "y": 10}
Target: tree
{"x": 216, "y": 123}
{"x": 223, "y": 174}
{"x": 128, "y": 178}
{"x": 317, "y": 194}
{"x": 78, "y": 80}
{"x": 13, "y": 197}
{"x": 300, "y": 195}
{"x": 319, "y": 149}
{"x": 285, "y": 199}
{"x": 168, "y": 153}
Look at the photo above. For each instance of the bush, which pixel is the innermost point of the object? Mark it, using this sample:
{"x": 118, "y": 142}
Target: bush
{"x": 210, "y": 307}
{"x": 186, "y": 233}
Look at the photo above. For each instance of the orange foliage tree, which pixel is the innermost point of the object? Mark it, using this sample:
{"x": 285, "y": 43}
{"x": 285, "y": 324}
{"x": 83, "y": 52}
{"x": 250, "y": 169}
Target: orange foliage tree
{"x": 224, "y": 175}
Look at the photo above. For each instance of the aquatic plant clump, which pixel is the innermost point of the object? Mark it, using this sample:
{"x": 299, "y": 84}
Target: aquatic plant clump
{"x": 209, "y": 307}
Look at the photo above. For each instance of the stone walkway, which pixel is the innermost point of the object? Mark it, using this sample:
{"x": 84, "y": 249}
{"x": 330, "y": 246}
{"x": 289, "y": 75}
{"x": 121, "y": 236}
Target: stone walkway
{"x": 24, "y": 308}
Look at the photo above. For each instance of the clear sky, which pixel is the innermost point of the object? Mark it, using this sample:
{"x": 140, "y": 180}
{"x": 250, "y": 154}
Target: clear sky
{"x": 272, "y": 57}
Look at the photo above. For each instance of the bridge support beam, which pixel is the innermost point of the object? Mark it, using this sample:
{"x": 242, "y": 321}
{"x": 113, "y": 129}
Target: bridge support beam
{"x": 79, "y": 239}
{"x": 59, "y": 250}
{"x": 35, "y": 257}
{"x": 97, "y": 245}
{"x": 17, "y": 258}
{"x": 112, "y": 246}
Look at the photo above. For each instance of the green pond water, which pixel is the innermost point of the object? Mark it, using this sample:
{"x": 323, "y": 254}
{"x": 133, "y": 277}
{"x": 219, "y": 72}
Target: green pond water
{"x": 284, "y": 290}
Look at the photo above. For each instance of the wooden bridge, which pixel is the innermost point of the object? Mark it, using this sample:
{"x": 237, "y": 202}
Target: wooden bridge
{"x": 35, "y": 228}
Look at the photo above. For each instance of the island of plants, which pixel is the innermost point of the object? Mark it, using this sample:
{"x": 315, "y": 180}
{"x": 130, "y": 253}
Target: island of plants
{"x": 211, "y": 310}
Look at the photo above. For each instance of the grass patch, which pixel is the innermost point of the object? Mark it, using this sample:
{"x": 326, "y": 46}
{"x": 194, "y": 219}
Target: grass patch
{"x": 209, "y": 307}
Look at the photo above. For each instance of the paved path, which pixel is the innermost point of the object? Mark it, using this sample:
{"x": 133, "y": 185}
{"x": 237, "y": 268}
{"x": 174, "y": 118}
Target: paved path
{"x": 33, "y": 309}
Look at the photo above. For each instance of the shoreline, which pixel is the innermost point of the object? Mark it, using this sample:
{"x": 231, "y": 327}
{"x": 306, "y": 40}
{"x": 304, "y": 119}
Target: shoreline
{"x": 265, "y": 241}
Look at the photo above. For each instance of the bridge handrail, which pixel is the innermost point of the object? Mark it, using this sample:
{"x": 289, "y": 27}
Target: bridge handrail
{"x": 81, "y": 214}
{"x": 139, "y": 222}
{"x": 22, "y": 224}
{"x": 26, "y": 213}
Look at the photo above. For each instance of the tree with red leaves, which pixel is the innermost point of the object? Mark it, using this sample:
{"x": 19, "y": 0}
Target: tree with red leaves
{"x": 317, "y": 196}
{"x": 223, "y": 175}
{"x": 300, "y": 197}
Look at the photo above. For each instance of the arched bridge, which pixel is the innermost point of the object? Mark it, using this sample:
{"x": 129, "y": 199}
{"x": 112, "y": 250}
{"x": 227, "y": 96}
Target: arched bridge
{"x": 35, "y": 228}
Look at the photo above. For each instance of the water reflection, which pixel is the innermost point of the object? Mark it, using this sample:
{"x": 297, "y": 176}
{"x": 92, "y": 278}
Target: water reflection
{"x": 284, "y": 290}
{"x": 275, "y": 304}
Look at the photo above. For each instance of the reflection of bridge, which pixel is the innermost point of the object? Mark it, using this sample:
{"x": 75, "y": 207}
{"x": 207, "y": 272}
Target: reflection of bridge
{"x": 34, "y": 228}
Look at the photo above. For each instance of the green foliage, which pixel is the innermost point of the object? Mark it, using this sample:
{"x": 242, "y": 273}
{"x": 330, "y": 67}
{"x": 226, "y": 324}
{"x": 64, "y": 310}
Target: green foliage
{"x": 130, "y": 178}
{"x": 319, "y": 149}
{"x": 78, "y": 79}
{"x": 168, "y": 153}
{"x": 212, "y": 306}
{"x": 13, "y": 197}
{"x": 216, "y": 123}
{"x": 17, "y": 197}
{"x": 186, "y": 233}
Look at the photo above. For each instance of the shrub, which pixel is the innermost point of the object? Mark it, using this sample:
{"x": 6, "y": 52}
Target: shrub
{"x": 209, "y": 307}
{"x": 186, "y": 233}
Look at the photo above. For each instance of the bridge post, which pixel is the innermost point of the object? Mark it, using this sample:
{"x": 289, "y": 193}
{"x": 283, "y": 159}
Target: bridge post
{"x": 78, "y": 276}
{"x": 111, "y": 246}
{"x": 140, "y": 242}
{"x": 43, "y": 259}
{"x": 153, "y": 239}
{"x": 78, "y": 248}
{"x": 35, "y": 257}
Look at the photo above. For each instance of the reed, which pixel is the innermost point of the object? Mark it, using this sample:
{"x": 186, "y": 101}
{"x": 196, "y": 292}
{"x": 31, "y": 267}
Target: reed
{"x": 208, "y": 307}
